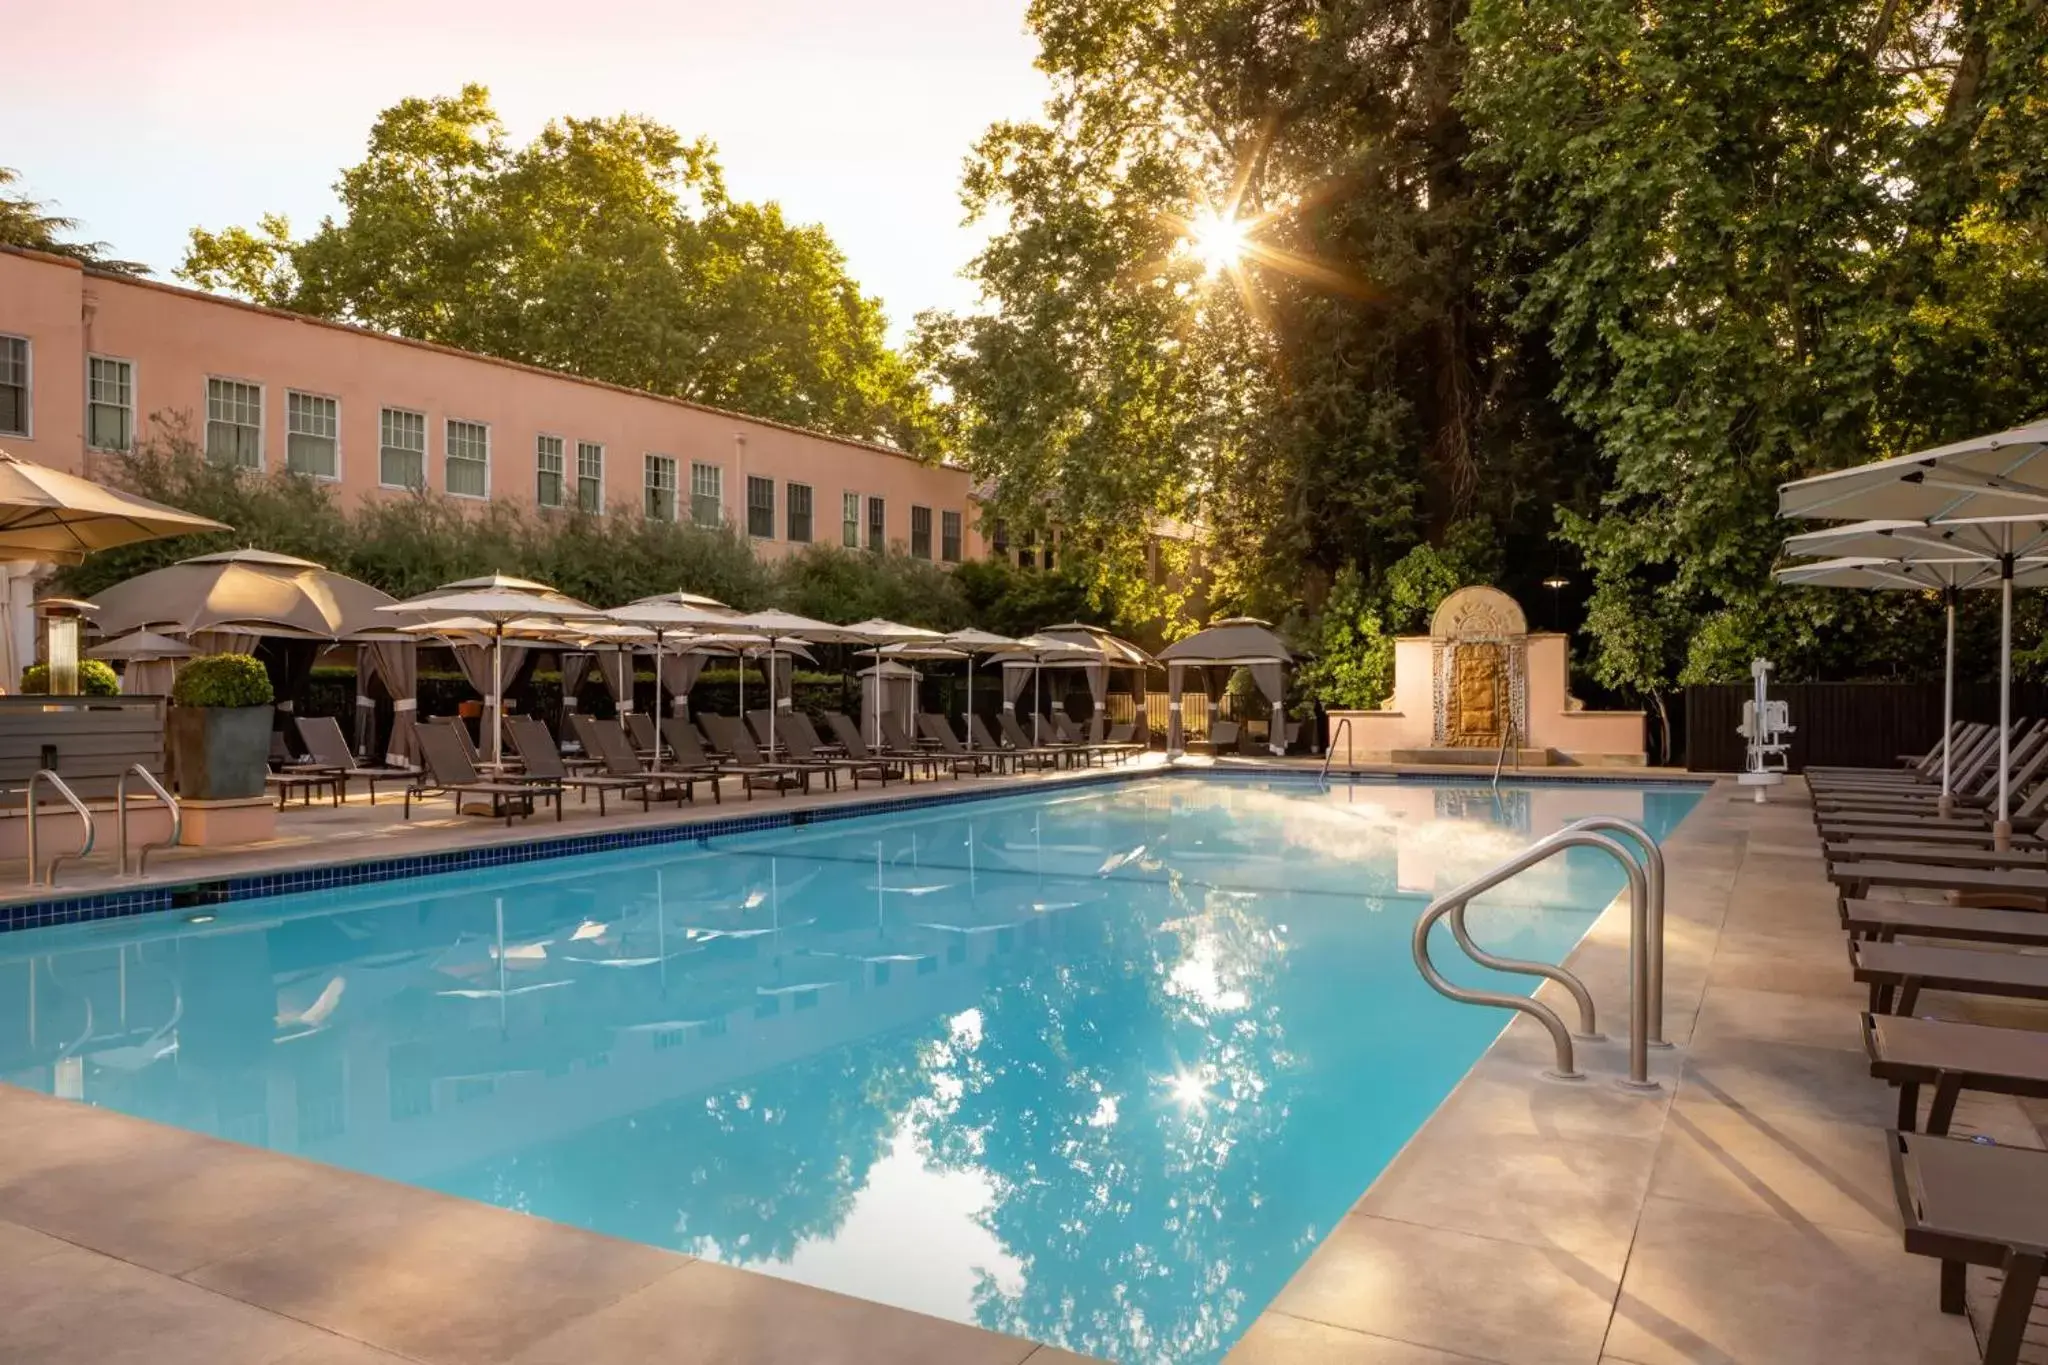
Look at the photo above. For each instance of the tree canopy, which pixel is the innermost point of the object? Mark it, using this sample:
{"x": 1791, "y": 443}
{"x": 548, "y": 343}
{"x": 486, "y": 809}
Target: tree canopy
{"x": 28, "y": 222}
{"x": 606, "y": 247}
{"x": 1576, "y": 284}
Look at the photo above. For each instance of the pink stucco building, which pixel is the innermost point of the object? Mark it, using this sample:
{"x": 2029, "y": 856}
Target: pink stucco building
{"x": 88, "y": 360}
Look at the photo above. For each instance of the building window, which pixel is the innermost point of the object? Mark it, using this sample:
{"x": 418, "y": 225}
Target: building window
{"x": 547, "y": 471}
{"x": 468, "y": 452}
{"x": 849, "y": 516}
{"x": 401, "y": 448}
{"x": 797, "y": 519}
{"x": 312, "y": 435}
{"x": 1051, "y": 540}
{"x": 707, "y": 494}
{"x": 234, "y": 423}
{"x": 590, "y": 476}
{"x": 760, "y": 507}
{"x": 661, "y": 488}
{"x": 949, "y": 537}
{"x": 921, "y": 532}
{"x": 14, "y": 386}
{"x": 1027, "y": 554}
{"x": 109, "y": 403}
{"x": 878, "y": 522}
{"x": 1000, "y": 541}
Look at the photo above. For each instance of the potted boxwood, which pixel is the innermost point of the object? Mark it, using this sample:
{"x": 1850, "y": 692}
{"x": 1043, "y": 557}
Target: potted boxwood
{"x": 96, "y": 678}
{"x": 220, "y": 727}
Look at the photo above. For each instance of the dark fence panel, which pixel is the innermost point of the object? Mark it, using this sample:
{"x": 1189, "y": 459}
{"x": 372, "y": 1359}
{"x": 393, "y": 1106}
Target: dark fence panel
{"x": 1861, "y": 724}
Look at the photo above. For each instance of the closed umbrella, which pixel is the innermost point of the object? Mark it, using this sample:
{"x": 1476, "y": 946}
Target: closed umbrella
{"x": 59, "y": 518}
{"x": 498, "y": 607}
{"x": 1987, "y": 490}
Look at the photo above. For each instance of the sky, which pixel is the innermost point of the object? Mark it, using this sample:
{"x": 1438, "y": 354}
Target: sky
{"x": 153, "y": 116}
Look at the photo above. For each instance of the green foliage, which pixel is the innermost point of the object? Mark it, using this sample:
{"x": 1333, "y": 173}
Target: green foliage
{"x": 606, "y": 247}
{"x": 26, "y": 222}
{"x": 828, "y": 583}
{"x": 1011, "y": 601}
{"x": 222, "y": 680}
{"x": 1350, "y": 643}
{"x": 96, "y": 678}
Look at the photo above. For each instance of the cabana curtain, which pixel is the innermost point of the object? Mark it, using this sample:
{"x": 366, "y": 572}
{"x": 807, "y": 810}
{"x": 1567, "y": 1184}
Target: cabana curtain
{"x": 575, "y": 667}
{"x": 1267, "y": 678}
{"x": 1014, "y": 678}
{"x": 783, "y": 681}
{"x": 617, "y": 666}
{"x": 679, "y": 673}
{"x": 475, "y": 661}
{"x": 397, "y": 664}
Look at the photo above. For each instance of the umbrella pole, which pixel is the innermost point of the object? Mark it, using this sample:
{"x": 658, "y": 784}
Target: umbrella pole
{"x": 968, "y": 719}
{"x": 1037, "y": 698}
{"x": 1948, "y": 705}
{"x": 655, "y": 764}
{"x": 498, "y": 696}
{"x": 774, "y": 699}
{"x": 2002, "y": 831}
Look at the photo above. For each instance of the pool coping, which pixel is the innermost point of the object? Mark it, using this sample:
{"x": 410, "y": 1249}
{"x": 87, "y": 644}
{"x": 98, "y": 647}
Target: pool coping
{"x": 171, "y": 891}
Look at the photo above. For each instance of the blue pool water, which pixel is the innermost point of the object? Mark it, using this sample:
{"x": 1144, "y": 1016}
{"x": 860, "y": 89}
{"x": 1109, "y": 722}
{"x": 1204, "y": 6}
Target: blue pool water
{"x": 1099, "y": 1067}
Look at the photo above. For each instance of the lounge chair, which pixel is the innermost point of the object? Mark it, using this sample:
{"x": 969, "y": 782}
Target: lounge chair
{"x": 1025, "y": 756}
{"x": 1125, "y": 736}
{"x": 1223, "y": 736}
{"x": 939, "y": 731}
{"x": 1069, "y": 735}
{"x": 1952, "y": 1057}
{"x": 328, "y": 747}
{"x": 1966, "y": 1203}
{"x": 934, "y": 758}
{"x": 850, "y": 738}
{"x": 1882, "y": 921}
{"x": 543, "y": 759}
{"x": 1973, "y": 763}
{"x": 1971, "y": 745}
{"x": 446, "y": 769}
{"x": 607, "y": 740}
{"x": 800, "y": 737}
{"x": 1975, "y": 783}
{"x": 730, "y": 739}
{"x": 640, "y": 728}
{"x": 1905, "y": 848}
{"x": 1907, "y": 764}
{"x": 1014, "y": 736}
{"x": 1897, "y": 972}
{"x": 1856, "y": 878}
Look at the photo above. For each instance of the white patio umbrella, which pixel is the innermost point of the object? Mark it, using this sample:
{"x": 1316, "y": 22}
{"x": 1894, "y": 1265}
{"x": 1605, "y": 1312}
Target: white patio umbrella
{"x": 1989, "y": 485}
{"x": 782, "y": 629}
{"x": 498, "y": 607}
{"x": 669, "y": 617}
{"x": 1039, "y": 651}
{"x": 974, "y": 643}
{"x": 1901, "y": 572}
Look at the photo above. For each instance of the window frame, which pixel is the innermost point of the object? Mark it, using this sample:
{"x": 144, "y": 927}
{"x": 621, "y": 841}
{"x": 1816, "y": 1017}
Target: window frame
{"x": 952, "y": 536}
{"x": 91, "y": 402}
{"x": 877, "y": 524}
{"x": 790, "y": 489}
{"x": 561, "y": 470}
{"x": 448, "y": 425}
{"x": 717, "y": 473}
{"x": 28, "y": 387}
{"x": 262, "y": 421}
{"x": 754, "y": 483}
{"x": 596, "y": 506}
{"x": 926, "y": 552}
{"x": 425, "y": 451}
{"x": 649, "y": 485}
{"x": 335, "y": 399}
{"x": 850, "y": 523}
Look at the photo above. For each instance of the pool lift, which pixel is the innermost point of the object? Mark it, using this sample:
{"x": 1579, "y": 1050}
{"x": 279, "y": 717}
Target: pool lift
{"x": 1765, "y": 723}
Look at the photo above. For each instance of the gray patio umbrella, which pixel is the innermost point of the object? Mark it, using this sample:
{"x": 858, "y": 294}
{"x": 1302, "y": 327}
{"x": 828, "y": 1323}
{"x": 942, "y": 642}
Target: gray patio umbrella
{"x": 1949, "y": 577}
{"x": 1233, "y": 643}
{"x": 1988, "y": 484}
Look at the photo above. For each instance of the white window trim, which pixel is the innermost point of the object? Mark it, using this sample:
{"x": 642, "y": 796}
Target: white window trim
{"x": 28, "y": 395}
{"x": 134, "y": 399}
{"x": 567, "y": 476}
{"x": 484, "y": 496}
{"x": 810, "y": 512}
{"x": 262, "y": 465}
{"x": 860, "y": 518}
{"x": 334, "y": 398}
{"x": 603, "y": 471}
{"x": 426, "y": 448}
{"x": 686, "y": 494}
{"x": 678, "y": 499}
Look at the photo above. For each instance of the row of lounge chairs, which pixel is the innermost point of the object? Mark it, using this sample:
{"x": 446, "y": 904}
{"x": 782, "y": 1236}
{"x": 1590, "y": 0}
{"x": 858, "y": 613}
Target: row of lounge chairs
{"x": 1964, "y": 1202}
{"x": 636, "y": 758}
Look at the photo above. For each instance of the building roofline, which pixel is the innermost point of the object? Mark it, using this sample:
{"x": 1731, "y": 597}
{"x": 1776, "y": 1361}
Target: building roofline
{"x": 225, "y": 301}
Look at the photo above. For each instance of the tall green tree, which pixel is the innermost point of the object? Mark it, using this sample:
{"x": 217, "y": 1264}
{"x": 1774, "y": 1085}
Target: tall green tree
{"x": 607, "y": 247}
{"x": 28, "y": 222}
{"x": 1760, "y": 240}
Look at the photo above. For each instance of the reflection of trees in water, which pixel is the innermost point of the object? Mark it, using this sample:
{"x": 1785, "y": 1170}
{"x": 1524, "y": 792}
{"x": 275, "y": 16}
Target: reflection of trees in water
{"x": 742, "y": 1172}
{"x": 1125, "y": 1106}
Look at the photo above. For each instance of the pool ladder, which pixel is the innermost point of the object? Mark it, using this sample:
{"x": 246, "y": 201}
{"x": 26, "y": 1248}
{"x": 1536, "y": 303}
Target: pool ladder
{"x": 39, "y": 875}
{"x": 1645, "y": 874}
{"x": 1342, "y": 727}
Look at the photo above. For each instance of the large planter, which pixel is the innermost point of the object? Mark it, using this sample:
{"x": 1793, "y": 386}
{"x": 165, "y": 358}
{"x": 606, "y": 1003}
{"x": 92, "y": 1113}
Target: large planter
{"x": 220, "y": 753}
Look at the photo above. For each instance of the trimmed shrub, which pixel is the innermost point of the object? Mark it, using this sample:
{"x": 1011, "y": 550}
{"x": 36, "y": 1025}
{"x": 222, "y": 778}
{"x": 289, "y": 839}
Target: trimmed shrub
{"x": 95, "y": 679}
{"x": 223, "y": 680}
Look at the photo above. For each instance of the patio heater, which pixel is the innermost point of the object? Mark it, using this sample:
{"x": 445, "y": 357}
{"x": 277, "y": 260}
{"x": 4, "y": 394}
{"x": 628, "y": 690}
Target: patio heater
{"x": 63, "y": 620}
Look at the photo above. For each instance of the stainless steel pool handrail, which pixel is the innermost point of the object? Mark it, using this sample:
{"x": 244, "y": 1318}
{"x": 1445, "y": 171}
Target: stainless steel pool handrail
{"x": 1651, "y": 941}
{"x": 1507, "y": 737}
{"x": 1453, "y": 904}
{"x": 35, "y": 876}
{"x": 1342, "y": 727}
{"x": 121, "y": 817}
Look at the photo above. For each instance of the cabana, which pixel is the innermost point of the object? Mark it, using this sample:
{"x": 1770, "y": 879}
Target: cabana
{"x": 1217, "y": 652}
{"x": 1095, "y": 653}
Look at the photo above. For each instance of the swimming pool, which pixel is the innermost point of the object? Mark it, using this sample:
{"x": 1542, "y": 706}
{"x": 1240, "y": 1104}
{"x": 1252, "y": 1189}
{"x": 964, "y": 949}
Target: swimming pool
{"x": 1098, "y": 1067}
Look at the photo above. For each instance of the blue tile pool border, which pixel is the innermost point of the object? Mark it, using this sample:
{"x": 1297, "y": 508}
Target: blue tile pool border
{"x": 202, "y": 893}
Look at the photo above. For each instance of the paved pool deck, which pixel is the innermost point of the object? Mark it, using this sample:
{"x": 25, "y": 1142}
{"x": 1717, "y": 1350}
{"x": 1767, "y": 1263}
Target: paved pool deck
{"x": 1742, "y": 1213}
